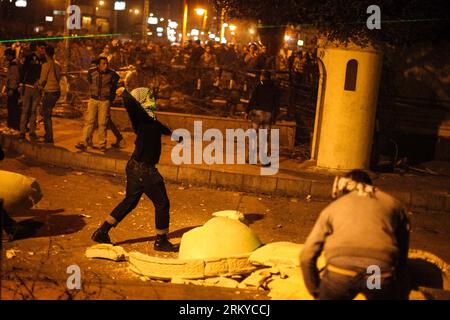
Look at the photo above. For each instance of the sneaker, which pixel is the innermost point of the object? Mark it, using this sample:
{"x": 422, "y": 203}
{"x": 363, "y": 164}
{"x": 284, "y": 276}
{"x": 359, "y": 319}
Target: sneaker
{"x": 81, "y": 146}
{"x": 101, "y": 237}
{"x": 117, "y": 143}
{"x": 163, "y": 244}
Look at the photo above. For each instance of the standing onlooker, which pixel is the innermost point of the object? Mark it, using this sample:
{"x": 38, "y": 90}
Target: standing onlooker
{"x": 263, "y": 107}
{"x": 49, "y": 82}
{"x": 31, "y": 94}
{"x": 12, "y": 91}
{"x": 102, "y": 86}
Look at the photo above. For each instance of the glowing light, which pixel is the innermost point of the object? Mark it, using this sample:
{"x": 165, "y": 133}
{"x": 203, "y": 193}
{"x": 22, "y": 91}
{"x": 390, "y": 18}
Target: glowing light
{"x": 300, "y": 43}
{"x": 159, "y": 29}
{"x": 49, "y": 18}
{"x": 21, "y": 3}
{"x": 195, "y": 32}
{"x": 159, "y": 34}
{"x": 212, "y": 36}
{"x": 200, "y": 11}
{"x": 136, "y": 11}
{"x": 152, "y": 20}
{"x": 120, "y": 5}
{"x": 173, "y": 24}
{"x": 233, "y": 27}
{"x": 251, "y": 31}
{"x": 287, "y": 38}
{"x": 101, "y": 2}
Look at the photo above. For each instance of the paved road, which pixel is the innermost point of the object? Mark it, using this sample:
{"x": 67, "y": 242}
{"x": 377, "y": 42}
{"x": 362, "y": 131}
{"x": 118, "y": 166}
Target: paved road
{"x": 75, "y": 203}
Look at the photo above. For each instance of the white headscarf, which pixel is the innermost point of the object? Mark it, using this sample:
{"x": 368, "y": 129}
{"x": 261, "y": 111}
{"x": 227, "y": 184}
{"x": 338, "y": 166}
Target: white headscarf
{"x": 343, "y": 185}
{"x": 147, "y": 100}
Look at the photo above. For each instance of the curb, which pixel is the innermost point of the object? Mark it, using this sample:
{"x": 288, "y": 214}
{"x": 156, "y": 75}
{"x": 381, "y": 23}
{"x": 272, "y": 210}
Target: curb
{"x": 289, "y": 187}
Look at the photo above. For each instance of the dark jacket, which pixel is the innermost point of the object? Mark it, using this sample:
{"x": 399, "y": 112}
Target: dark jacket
{"x": 266, "y": 97}
{"x": 32, "y": 69}
{"x": 13, "y": 75}
{"x": 148, "y": 131}
{"x": 103, "y": 85}
{"x": 357, "y": 227}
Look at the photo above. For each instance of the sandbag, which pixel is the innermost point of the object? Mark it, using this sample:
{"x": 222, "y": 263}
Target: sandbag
{"x": 18, "y": 192}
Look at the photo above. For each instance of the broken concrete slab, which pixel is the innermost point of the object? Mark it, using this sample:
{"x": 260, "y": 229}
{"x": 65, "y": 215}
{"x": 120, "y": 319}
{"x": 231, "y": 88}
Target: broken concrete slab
{"x": 18, "y": 192}
{"x": 230, "y": 214}
{"x": 165, "y": 269}
{"x": 218, "y": 237}
{"x": 280, "y": 253}
{"x": 257, "y": 278}
{"x": 106, "y": 251}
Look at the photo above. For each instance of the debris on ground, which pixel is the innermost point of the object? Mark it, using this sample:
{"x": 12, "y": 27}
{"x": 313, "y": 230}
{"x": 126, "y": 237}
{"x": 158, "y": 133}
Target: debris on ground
{"x": 106, "y": 251}
{"x": 11, "y": 253}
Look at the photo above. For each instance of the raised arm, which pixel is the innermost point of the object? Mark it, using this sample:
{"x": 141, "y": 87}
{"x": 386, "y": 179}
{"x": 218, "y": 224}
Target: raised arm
{"x": 134, "y": 110}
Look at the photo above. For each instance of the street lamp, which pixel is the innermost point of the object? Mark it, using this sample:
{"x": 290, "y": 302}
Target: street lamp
{"x": 21, "y": 3}
{"x": 204, "y": 13}
{"x": 200, "y": 11}
{"x": 120, "y": 5}
{"x": 232, "y": 27}
{"x": 101, "y": 3}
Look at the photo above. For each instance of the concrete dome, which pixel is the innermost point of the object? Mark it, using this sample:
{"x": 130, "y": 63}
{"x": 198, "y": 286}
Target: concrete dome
{"x": 219, "y": 237}
{"x": 18, "y": 192}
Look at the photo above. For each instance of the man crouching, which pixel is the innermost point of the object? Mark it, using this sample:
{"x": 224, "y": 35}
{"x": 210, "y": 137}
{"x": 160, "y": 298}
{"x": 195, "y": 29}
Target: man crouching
{"x": 142, "y": 175}
{"x": 364, "y": 229}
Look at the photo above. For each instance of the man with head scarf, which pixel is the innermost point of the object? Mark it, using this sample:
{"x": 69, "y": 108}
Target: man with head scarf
{"x": 363, "y": 231}
{"x": 142, "y": 175}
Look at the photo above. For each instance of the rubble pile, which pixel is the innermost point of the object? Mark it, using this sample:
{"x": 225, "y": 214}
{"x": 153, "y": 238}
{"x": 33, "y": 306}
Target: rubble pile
{"x": 225, "y": 252}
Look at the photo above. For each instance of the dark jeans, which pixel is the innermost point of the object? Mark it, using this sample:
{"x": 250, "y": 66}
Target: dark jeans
{"x": 144, "y": 179}
{"x": 12, "y": 103}
{"x": 334, "y": 286}
{"x": 48, "y": 103}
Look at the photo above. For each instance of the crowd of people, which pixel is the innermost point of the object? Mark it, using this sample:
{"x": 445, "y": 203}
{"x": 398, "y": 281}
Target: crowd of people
{"x": 249, "y": 57}
{"x": 33, "y": 72}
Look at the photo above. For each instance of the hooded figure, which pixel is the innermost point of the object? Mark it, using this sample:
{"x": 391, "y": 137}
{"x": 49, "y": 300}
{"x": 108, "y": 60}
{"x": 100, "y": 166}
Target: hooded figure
{"x": 142, "y": 175}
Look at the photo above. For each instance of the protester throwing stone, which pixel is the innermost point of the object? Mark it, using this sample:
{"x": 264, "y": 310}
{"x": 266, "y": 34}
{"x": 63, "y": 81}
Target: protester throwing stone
{"x": 142, "y": 175}
{"x": 364, "y": 234}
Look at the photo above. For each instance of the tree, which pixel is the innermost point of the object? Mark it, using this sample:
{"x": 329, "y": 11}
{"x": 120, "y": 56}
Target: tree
{"x": 403, "y": 22}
